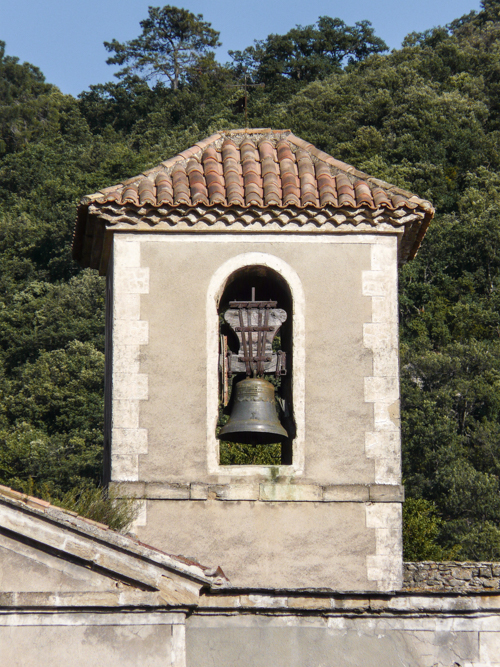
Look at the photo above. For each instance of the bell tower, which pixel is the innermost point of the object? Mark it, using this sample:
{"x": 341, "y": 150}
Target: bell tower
{"x": 306, "y": 365}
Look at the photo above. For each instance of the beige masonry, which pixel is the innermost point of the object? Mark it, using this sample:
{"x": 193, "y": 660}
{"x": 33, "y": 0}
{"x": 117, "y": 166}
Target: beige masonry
{"x": 334, "y": 514}
{"x": 129, "y": 385}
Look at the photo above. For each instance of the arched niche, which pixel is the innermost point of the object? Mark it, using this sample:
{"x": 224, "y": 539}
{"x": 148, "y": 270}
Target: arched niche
{"x": 273, "y": 279}
{"x": 260, "y": 283}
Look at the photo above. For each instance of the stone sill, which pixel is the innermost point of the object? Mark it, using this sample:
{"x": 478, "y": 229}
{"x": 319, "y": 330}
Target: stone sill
{"x": 264, "y": 492}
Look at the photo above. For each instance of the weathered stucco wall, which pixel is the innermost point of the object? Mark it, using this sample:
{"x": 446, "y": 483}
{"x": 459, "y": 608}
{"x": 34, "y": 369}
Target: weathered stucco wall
{"x": 295, "y": 641}
{"x": 88, "y": 639}
{"x": 175, "y": 357}
{"x": 309, "y": 544}
{"x": 384, "y": 632}
{"x": 345, "y": 475}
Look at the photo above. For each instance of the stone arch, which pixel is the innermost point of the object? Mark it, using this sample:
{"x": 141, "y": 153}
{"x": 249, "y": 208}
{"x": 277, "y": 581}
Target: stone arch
{"x": 218, "y": 284}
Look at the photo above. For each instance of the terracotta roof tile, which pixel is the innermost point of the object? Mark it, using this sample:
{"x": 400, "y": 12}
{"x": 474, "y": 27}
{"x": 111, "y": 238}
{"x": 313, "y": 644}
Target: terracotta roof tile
{"x": 146, "y": 190}
{"x": 164, "y": 188}
{"x": 259, "y": 168}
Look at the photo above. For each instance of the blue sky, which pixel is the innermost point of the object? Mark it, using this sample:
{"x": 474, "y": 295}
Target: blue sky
{"x": 64, "y": 38}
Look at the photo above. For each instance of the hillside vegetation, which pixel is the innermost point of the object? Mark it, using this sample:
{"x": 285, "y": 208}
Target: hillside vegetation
{"x": 425, "y": 117}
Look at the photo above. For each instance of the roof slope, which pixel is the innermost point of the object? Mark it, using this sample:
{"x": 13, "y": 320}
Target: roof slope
{"x": 99, "y": 554}
{"x": 248, "y": 172}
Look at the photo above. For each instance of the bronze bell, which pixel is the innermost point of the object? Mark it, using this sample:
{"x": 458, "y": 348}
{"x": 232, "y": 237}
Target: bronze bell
{"x": 253, "y": 420}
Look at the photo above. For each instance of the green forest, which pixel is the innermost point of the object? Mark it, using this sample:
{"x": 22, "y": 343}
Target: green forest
{"x": 425, "y": 117}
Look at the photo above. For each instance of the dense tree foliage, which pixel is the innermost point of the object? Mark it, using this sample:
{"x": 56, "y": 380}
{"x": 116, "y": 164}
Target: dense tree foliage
{"x": 426, "y": 117}
{"x": 307, "y": 53}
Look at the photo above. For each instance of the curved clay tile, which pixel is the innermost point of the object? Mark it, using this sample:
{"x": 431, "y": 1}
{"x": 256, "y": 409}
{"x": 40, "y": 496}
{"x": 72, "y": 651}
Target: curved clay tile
{"x": 363, "y": 193}
{"x": 266, "y": 150}
{"x": 345, "y": 191}
{"x": 380, "y": 198}
{"x": 197, "y": 183}
{"x": 271, "y": 181}
{"x": 199, "y": 194}
{"x": 230, "y": 150}
{"x": 252, "y": 179}
{"x": 327, "y": 188}
{"x": 284, "y": 152}
{"x": 215, "y": 187}
{"x": 289, "y": 180}
{"x": 213, "y": 176}
{"x": 232, "y": 173}
{"x": 112, "y": 196}
{"x": 398, "y": 200}
{"x": 248, "y": 150}
{"x": 180, "y": 184}
{"x": 270, "y": 173}
{"x": 164, "y": 189}
{"x": 130, "y": 195}
{"x": 146, "y": 191}
{"x": 308, "y": 184}
{"x": 209, "y": 154}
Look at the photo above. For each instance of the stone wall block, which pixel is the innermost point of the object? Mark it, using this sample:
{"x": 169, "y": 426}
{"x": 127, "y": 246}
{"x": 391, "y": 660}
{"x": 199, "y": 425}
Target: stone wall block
{"x": 382, "y": 444}
{"x": 385, "y": 570}
{"x": 384, "y": 309}
{"x": 384, "y": 257}
{"x": 380, "y": 336}
{"x": 127, "y": 306}
{"x": 132, "y": 280}
{"x": 130, "y": 332}
{"x": 199, "y": 491}
{"x": 385, "y": 566}
{"x": 383, "y": 417}
{"x": 382, "y": 515}
{"x": 264, "y": 601}
{"x": 309, "y": 603}
{"x": 291, "y": 492}
{"x": 387, "y": 471}
{"x": 346, "y": 493}
{"x": 161, "y": 491}
{"x": 126, "y": 358}
{"x": 125, "y": 414}
{"x": 130, "y": 441}
{"x": 386, "y": 363}
{"x": 375, "y": 283}
{"x": 130, "y": 386}
{"x": 489, "y": 648}
{"x": 127, "y": 254}
{"x": 125, "y": 468}
{"x": 236, "y": 491}
{"x": 381, "y": 389}
{"x": 386, "y": 493}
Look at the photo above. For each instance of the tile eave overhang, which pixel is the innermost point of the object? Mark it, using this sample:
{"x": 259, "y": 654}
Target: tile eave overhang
{"x": 97, "y": 221}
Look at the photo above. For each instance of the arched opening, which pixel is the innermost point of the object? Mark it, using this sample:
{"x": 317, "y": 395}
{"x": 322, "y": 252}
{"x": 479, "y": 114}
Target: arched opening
{"x": 262, "y": 291}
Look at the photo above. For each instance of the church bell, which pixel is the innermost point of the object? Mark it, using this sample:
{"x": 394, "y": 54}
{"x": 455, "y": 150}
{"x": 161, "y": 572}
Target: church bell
{"x": 254, "y": 419}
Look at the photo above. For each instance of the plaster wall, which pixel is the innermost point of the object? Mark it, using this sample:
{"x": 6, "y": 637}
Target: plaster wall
{"x": 293, "y": 641}
{"x": 173, "y": 351}
{"x": 289, "y": 544}
{"x": 25, "y": 568}
{"x": 87, "y": 639}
